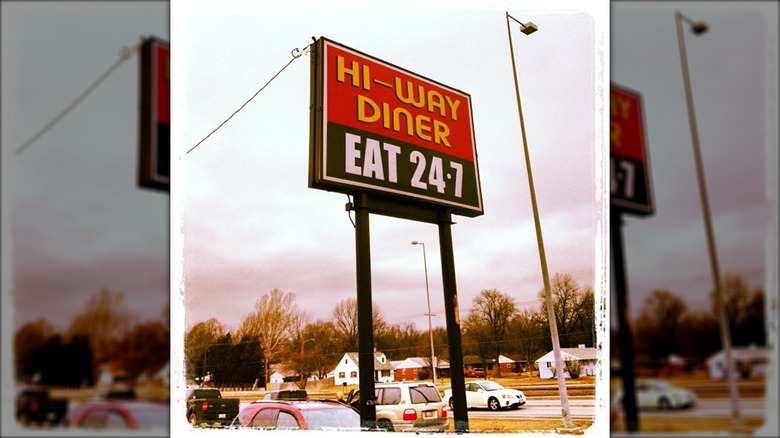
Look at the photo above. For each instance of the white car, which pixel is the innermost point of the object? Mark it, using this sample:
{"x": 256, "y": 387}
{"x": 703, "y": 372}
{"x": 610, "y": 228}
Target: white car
{"x": 489, "y": 394}
{"x": 659, "y": 394}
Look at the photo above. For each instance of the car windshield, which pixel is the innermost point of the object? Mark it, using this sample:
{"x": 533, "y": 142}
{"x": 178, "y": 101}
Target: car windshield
{"x": 491, "y": 386}
{"x": 331, "y": 418}
{"x": 424, "y": 394}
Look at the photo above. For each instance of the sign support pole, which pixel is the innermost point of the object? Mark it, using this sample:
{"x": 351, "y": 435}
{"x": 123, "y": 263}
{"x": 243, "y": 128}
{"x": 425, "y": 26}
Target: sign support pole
{"x": 624, "y": 328}
{"x": 451, "y": 312}
{"x": 364, "y": 313}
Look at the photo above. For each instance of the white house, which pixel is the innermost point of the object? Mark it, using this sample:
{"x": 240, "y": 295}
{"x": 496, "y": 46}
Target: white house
{"x": 347, "y": 370}
{"x": 751, "y": 361}
{"x": 587, "y": 357}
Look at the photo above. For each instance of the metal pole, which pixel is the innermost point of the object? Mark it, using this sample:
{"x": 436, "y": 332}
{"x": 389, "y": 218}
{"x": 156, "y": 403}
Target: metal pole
{"x": 428, "y": 295}
{"x": 364, "y": 313}
{"x": 452, "y": 316}
{"x": 624, "y": 328}
{"x": 565, "y": 412}
{"x": 725, "y": 335}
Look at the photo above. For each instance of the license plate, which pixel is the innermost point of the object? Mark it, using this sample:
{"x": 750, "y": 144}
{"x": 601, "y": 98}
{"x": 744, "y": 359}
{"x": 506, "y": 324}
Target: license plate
{"x": 222, "y": 415}
{"x": 429, "y": 414}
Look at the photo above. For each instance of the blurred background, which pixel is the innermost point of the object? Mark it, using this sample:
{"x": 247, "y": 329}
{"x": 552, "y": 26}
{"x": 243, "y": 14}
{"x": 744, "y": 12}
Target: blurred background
{"x": 676, "y": 336}
{"x": 85, "y": 248}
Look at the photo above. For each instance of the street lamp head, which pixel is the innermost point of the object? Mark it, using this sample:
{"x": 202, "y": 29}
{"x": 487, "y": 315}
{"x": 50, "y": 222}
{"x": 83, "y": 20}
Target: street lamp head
{"x": 528, "y": 28}
{"x": 699, "y": 27}
{"x": 414, "y": 242}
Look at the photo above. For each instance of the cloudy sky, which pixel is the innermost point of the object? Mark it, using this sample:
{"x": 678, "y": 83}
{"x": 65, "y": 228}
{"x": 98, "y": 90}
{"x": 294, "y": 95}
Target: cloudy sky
{"x": 249, "y": 223}
{"x": 74, "y": 220}
{"x": 733, "y": 69}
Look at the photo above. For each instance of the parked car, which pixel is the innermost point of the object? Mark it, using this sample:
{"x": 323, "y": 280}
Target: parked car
{"x": 206, "y": 406}
{"x": 475, "y": 372}
{"x": 407, "y": 407}
{"x": 286, "y": 394}
{"x": 120, "y": 415}
{"x": 34, "y": 405}
{"x": 298, "y": 414}
{"x": 489, "y": 394}
{"x": 659, "y": 394}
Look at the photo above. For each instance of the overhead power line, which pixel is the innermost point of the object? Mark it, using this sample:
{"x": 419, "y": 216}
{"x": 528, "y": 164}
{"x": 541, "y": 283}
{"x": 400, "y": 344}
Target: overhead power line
{"x": 296, "y": 53}
{"x": 124, "y": 54}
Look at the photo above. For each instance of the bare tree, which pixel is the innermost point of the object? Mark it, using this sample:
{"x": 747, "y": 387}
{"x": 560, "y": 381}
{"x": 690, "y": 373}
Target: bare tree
{"x": 477, "y": 336}
{"x": 299, "y": 358}
{"x": 495, "y": 309}
{"x": 574, "y": 310}
{"x": 196, "y": 343}
{"x": 659, "y": 322}
{"x": 324, "y": 348}
{"x": 271, "y": 323}
{"x": 345, "y": 317}
{"x": 27, "y": 340}
{"x": 530, "y": 333}
{"x": 104, "y": 321}
{"x": 140, "y": 349}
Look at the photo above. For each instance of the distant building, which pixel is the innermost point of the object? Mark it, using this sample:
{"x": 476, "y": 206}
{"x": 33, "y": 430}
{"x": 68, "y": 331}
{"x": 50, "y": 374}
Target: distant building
{"x": 409, "y": 368}
{"x": 751, "y": 361}
{"x": 586, "y": 357}
{"x": 506, "y": 364}
{"x": 347, "y": 371}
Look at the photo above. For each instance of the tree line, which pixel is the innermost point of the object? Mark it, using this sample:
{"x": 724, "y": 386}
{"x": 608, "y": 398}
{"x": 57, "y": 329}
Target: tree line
{"x": 666, "y": 326}
{"x": 278, "y": 331}
{"x": 105, "y": 332}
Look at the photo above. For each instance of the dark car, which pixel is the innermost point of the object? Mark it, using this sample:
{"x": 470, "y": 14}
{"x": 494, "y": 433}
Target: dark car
{"x": 120, "y": 415}
{"x": 298, "y": 415}
{"x": 34, "y": 405}
{"x": 207, "y": 407}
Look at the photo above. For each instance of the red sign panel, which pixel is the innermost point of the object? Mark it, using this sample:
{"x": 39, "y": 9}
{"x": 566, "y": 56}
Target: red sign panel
{"x": 155, "y": 113}
{"x": 379, "y": 128}
{"x": 630, "y": 178}
{"x": 627, "y": 137}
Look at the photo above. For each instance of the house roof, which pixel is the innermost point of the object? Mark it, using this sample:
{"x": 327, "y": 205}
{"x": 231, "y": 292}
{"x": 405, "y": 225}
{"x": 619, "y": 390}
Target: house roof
{"x": 504, "y": 359}
{"x": 282, "y": 369}
{"x": 742, "y": 353}
{"x": 419, "y": 362}
{"x": 377, "y": 364}
{"x": 580, "y": 353}
{"x": 476, "y": 360}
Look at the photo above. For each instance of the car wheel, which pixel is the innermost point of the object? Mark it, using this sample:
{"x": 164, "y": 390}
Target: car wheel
{"x": 385, "y": 425}
{"x": 493, "y": 404}
{"x": 193, "y": 419}
{"x": 664, "y": 404}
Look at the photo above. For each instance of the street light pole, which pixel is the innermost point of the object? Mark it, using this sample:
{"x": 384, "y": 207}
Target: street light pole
{"x": 699, "y": 28}
{"x": 529, "y": 28}
{"x": 428, "y": 295}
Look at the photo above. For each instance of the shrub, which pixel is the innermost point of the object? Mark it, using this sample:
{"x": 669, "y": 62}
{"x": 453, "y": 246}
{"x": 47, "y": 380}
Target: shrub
{"x": 574, "y": 368}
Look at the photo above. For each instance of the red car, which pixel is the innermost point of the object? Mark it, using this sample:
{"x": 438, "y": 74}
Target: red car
{"x": 475, "y": 372}
{"x": 107, "y": 415}
{"x": 298, "y": 415}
